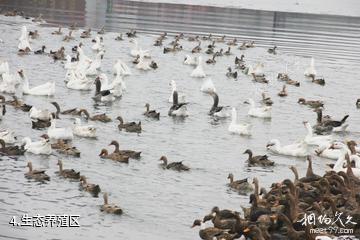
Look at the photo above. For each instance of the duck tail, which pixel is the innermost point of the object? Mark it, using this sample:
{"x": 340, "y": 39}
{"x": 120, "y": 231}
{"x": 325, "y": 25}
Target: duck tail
{"x": 344, "y": 119}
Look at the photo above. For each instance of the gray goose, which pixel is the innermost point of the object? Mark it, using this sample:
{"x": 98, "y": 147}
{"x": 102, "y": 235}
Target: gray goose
{"x": 151, "y": 113}
{"x": 37, "y": 175}
{"x": 67, "y": 173}
{"x": 261, "y": 160}
{"x": 93, "y": 189}
{"x": 178, "y": 166}
{"x": 129, "y": 126}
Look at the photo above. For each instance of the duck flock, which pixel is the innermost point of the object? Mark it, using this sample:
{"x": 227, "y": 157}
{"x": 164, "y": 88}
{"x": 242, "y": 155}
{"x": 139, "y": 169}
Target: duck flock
{"x": 274, "y": 213}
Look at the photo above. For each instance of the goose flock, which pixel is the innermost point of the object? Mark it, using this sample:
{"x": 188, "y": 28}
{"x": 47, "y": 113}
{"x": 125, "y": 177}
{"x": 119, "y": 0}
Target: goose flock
{"x": 274, "y": 213}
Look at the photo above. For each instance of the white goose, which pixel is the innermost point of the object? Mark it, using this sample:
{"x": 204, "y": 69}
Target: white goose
{"x": 88, "y": 131}
{"x": 39, "y": 147}
{"x": 44, "y": 115}
{"x": 311, "y": 69}
{"x": 78, "y": 81}
{"x": 259, "y": 69}
{"x": 69, "y": 65}
{"x": 95, "y": 65}
{"x": 4, "y": 67}
{"x": 138, "y": 51}
{"x": 46, "y": 89}
{"x": 208, "y": 86}
{"x": 59, "y": 133}
{"x": 99, "y": 44}
{"x": 327, "y": 151}
{"x": 340, "y": 163}
{"x": 24, "y": 39}
{"x": 198, "y": 72}
{"x": 310, "y": 139}
{"x": 234, "y": 127}
{"x": 296, "y": 149}
{"x": 143, "y": 64}
{"x": 121, "y": 68}
{"x": 9, "y": 83}
{"x": 8, "y": 136}
{"x": 116, "y": 86}
{"x": 188, "y": 60}
{"x": 259, "y": 112}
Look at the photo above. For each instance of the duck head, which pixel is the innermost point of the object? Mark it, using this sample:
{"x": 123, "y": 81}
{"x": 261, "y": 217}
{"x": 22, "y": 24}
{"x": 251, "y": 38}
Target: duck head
{"x": 164, "y": 159}
{"x": 301, "y": 100}
{"x": 103, "y": 152}
{"x": 197, "y": 222}
{"x": 248, "y": 151}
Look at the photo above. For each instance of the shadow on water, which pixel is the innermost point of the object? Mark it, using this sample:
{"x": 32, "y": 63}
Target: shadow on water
{"x": 302, "y": 34}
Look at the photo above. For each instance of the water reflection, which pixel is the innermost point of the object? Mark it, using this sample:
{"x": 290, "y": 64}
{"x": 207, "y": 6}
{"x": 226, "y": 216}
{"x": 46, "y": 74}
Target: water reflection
{"x": 303, "y": 34}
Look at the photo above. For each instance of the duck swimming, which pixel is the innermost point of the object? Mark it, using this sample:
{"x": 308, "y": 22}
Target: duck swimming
{"x": 130, "y": 153}
{"x": 242, "y": 186}
{"x": 67, "y": 173}
{"x": 151, "y": 113}
{"x": 310, "y": 139}
{"x": 296, "y": 149}
{"x": 88, "y": 131}
{"x": 198, "y": 72}
{"x": 260, "y": 160}
{"x": 207, "y": 86}
{"x": 114, "y": 156}
{"x": 189, "y": 60}
{"x": 129, "y": 126}
{"x": 283, "y": 92}
{"x": 311, "y": 103}
{"x": 46, "y": 89}
{"x": 93, "y": 189}
{"x": 216, "y": 110}
{"x": 110, "y": 208}
{"x": 272, "y": 50}
{"x": 177, "y": 109}
{"x": 59, "y": 133}
{"x": 63, "y": 147}
{"x": 266, "y": 100}
{"x": 197, "y": 48}
{"x": 259, "y": 112}
{"x": 57, "y": 32}
{"x": 40, "y": 51}
{"x": 320, "y": 81}
{"x": 237, "y": 128}
{"x": 39, "y": 147}
{"x": 102, "y": 95}
{"x": 98, "y": 117}
{"x": 211, "y": 60}
{"x": 37, "y": 175}
{"x": 231, "y": 74}
{"x": 11, "y": 150}
{"x": 178, "y": 166}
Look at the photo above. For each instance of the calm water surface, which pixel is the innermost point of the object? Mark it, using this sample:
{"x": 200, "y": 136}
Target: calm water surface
{"x": 162, "y": 204}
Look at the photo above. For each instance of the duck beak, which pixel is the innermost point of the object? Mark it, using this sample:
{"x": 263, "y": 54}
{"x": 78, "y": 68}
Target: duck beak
{"x": 246, "y": 230}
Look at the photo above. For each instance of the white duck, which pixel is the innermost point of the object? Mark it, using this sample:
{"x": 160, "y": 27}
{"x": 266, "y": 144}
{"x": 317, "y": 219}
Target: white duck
{"x": 340, "y": 163}
{"x": 69, "y": 65}
{"x": 39, "y": 147}
{"x": 208, "y": 86}
{"x": 296, "y": 149}
{"x": 8, "y": 84}
{"x": 78, "y": 81}
{"x": 138, "y": 51}
{"x": 310, "y": 139}
{"x": 88, "y": 131}
{"x": 143, "y": 64}
{"x": 46, "y": 89}
{"x": 188, "y": 60}
{"x": 311, "y": 69}
{"x": 95, "y": 65}
{"x": 234, "y": 127}
{"x": 259, "y": 112}
{"x": 4, "y": 67}
{"x": 59, "y": 133}
{"x": 24, "y": 39}
{"x": 8, "y": 136}
{"x": 99, "y": 44}
{"x": 259, "y": 69}
{"x": 198, "y": 72}
{"x": 327, "y": 151}
{"x": 39, "y": 114}
{"x": 121, "y": 68}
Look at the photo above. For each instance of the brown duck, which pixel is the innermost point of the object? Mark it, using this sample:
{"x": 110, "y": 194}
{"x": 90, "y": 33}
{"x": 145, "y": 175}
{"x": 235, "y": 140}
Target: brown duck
{"x": 240, "y": 185}
{"x": 11, "y": 150}
{"x": 63, "y": 147}
{"x": 130, "y": 153}
{"x": 99, "y": 117}
{"x": 37, "y": 175}
{"x": 151, "y": 113}
{"x": 67, "y": 173}
{"x": 261, "y": 160}
{"x": 114, "y": 156}
{"x": 178, "y": 166}
{"x": 18, "y": 104}
{"x": 129, "y": 126}
{"x": 110, "y": 208}
{"x": 93, "y": 189}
